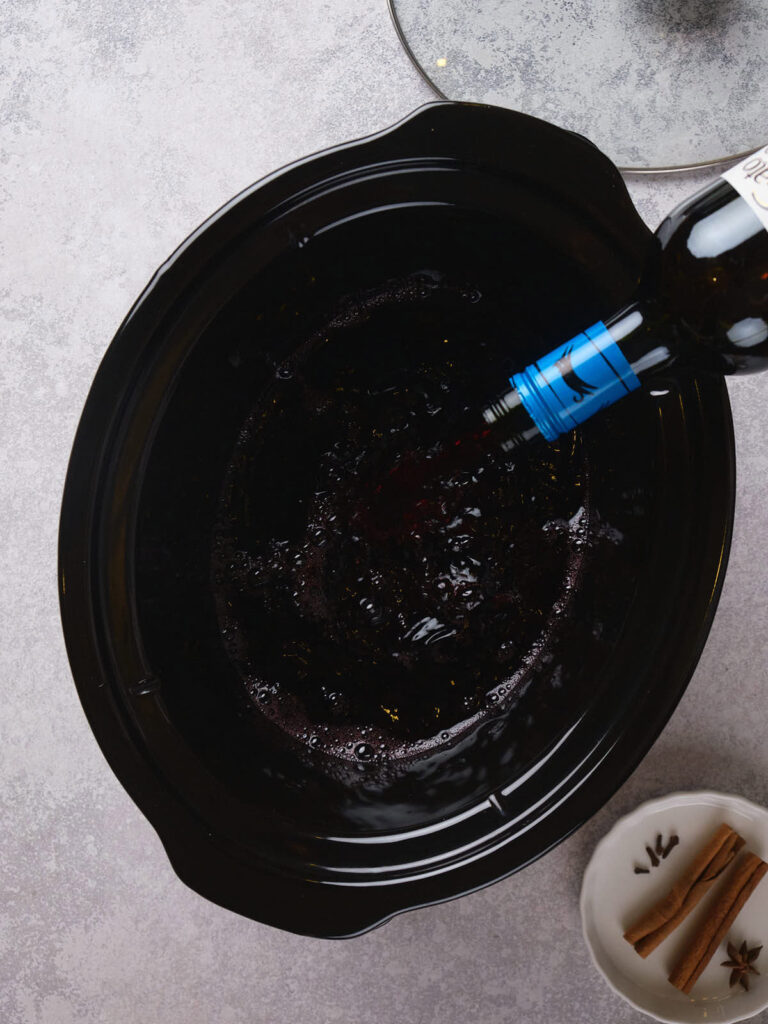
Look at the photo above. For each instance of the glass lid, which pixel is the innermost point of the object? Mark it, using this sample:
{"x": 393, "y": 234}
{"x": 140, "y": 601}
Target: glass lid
{"x": 656, "y": 84}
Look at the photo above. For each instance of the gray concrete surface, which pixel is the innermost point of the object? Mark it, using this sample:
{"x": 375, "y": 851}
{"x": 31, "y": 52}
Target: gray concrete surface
{"x": 124, "y": 124}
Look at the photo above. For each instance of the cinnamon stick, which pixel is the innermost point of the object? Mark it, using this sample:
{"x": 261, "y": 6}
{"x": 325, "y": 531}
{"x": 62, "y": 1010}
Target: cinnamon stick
{"x": 662, "y": 918}
{"x": 742, "y": 883}
{"x": 719, "y": 863}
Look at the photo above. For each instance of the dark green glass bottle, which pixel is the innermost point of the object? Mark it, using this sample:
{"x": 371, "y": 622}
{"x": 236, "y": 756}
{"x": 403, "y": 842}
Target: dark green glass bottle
{"x": 703, "y": 302}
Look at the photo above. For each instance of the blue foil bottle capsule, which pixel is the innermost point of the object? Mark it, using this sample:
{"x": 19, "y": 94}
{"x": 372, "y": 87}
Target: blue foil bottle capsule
{"x": 574, "y": 381}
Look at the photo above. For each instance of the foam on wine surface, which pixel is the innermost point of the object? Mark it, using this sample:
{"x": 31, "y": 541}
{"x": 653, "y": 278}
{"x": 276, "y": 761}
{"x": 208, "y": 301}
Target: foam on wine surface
{"x": 382, "y": 588}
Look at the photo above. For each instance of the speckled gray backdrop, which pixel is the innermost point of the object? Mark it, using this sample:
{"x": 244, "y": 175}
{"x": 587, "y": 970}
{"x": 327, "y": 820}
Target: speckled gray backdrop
{"x": 124, "y": 123}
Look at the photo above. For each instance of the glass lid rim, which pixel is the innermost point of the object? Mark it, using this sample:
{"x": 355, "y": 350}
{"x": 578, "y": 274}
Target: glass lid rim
{"x": 663, "y": 169}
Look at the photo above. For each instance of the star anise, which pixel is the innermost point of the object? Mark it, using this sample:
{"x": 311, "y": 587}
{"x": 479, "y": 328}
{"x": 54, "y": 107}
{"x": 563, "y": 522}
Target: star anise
{"x": 741, "y": 961}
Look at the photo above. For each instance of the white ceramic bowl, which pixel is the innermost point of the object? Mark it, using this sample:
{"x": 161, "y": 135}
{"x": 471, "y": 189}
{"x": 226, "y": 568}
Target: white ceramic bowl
{"x": 612, "y": 896}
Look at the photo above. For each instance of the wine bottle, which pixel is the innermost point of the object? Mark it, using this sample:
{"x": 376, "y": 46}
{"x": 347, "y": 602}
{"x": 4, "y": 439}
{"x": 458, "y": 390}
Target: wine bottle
{"x": 703, "y": 302}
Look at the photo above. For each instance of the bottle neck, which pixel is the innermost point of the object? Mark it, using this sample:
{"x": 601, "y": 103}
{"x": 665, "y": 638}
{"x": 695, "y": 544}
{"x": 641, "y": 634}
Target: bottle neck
{"x": 588, "y": 372}
{"x": 647, "y": 340}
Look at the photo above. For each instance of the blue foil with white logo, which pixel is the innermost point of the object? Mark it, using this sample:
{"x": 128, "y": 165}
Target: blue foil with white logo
{"x": 574, "y": 381}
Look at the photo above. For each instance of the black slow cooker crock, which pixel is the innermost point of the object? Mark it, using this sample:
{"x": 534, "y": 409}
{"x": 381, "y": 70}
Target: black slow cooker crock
{"x": 539, "y": 222}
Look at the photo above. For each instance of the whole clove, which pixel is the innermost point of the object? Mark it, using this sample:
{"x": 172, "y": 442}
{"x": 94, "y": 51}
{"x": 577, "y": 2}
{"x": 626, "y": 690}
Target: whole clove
{"x": 674, "y": 840}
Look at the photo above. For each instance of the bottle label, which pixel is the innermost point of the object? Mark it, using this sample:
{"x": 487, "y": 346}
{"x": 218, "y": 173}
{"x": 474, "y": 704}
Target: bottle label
{"x": 574, "y": 381}
{"x": 750, "y": 179}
